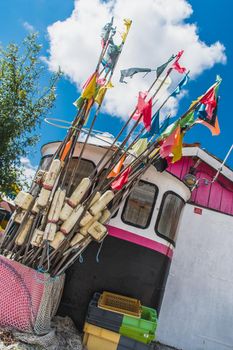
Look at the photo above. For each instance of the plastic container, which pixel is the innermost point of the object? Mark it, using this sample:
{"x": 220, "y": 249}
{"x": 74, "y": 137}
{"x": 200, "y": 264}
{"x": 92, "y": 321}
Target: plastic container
{"x": 103, "y": 318}
{"x": 120, "y": 304}
{"x": 96, "y": 338}
{"x": 147, "y": 322}
{"x": 137, "y": 334}
{"x": 131, "y": 344}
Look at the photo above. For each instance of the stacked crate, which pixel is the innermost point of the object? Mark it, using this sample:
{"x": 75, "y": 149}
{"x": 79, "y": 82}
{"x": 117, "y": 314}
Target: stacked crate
{"x": 115, "y": 322}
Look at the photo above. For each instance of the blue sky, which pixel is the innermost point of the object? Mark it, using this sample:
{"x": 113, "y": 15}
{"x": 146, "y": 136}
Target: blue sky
{"x": 213, "y": 24}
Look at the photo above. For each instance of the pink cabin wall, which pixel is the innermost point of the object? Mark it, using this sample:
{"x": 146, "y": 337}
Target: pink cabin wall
{"x": 217, "y": 196}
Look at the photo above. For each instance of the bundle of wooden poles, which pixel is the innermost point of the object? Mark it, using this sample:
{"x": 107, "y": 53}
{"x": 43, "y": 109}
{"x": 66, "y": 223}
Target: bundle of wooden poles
{"x": 53, "y": 225}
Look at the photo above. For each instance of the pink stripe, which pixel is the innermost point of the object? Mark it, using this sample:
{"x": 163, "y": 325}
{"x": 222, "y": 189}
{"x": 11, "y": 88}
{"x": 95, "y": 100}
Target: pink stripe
{"x": 143, "y": 241}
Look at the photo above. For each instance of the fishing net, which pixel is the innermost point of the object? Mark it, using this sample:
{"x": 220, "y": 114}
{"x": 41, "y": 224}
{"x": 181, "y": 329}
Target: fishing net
{"x": 28, "y": 299}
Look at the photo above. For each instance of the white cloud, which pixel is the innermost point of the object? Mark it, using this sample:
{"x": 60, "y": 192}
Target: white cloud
{"x": 158, "y": 30}
{"x": 28, "y": 169}
{"x": 29, "y": 27}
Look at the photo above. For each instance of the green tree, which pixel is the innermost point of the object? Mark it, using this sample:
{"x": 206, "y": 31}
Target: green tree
{"x": 24, "y": 102}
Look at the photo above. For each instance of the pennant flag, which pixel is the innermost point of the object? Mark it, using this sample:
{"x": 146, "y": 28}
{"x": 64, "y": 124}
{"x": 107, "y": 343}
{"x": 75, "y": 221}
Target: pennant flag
{"x": 79, "y": 102}
{"x": 161, "y": 68}
{"x": 170, "y": 143}
{"x": 130, "y": 72}
{"x": 89, "y": 87}
{"x": 176, "y": 64}
{"x": 177, "y": 150}
{"x": 66, "y": 150}
{"x": 102, "y": 91}
{"x": 207, "y": 110}
{"x": 116, "y": 170}
{"x": 144, "y": 110}
{"x": 122, "y": 180}
{"x": 111, "y": 56}
{"x": 183, "y": 82}
{"x": 139, "y": 147}
{"x": 169, "y": 129}
{"x": 127, "y": 23}
{"x": 164, "y": 126}
{"x": 187, "y": 121}
{"x": 154, "y": 127}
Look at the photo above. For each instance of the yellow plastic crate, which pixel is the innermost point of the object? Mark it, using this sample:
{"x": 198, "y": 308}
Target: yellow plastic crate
{"x": 96, "y": 338}
{"x": 120, "y": 304}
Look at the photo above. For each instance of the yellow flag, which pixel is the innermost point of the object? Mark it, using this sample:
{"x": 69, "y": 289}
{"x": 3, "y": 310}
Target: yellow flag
{"x": 89, "y": 90}
{"x": 177, "y": 150}
{"x": 102, "y": 91}
{"x": 140, "y": 146}
{"x": 127, "y": 23}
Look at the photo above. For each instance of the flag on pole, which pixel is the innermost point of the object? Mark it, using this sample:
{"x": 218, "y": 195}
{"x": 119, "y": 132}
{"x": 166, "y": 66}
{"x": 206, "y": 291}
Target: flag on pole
{"x": 89, "y": 87}
{"x": 102, "y": 91}
{"x": 144, "y": 110}
{"x": 176, "y": 64}
{"x": 154, "y": 127}
{"x": 122, "y": 180}
{"x": 130, "y": 72}
{"x": 161, "y": 68}
{"x": 116, "y": 170}
{"x": 127, "y": 24}
{"x": 207, "y": 110}
{"x": 180, "y": 86}
{"x": 170, "y": 143}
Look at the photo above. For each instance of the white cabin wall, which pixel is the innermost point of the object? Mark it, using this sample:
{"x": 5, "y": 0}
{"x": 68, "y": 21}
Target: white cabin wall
{"x": 197, "y": 308}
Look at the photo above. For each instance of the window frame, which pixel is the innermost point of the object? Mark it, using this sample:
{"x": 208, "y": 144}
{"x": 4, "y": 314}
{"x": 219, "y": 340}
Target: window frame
{"x": 160, "y": 214}
{"x": 152, "y": 208}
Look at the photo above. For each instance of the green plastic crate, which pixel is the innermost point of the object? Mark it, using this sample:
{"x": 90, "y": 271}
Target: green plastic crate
{"x": 141, "y": 329}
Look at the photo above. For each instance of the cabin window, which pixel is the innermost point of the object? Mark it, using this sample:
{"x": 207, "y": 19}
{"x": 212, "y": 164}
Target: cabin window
{"x": 139, "y": 205}
{"x": 169, "y": 215}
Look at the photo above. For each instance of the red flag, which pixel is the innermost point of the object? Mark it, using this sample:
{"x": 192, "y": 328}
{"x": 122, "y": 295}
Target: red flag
{"x": 176, "y": 64}
{"x": 122, "y": 180}
{"x": 209, "y": 99}
{"x": 144, "y": 109}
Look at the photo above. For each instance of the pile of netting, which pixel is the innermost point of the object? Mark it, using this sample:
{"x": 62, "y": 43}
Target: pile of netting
{"x": 62, "y": 336}
{"x": 28, "y": 298}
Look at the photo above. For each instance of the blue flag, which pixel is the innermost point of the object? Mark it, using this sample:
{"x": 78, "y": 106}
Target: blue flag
{"x": 183, "y": 82}
{"x": 154, "y": 127}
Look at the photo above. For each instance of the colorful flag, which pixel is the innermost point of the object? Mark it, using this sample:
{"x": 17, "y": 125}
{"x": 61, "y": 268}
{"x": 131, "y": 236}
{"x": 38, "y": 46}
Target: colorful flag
{"x": 177, "y": 150}
{"x": 89, "y": 87}
{"x": 178, "y": 89}
{"x": 176, "y": 64}
{"x": 170, "y": 143}
{"x": 140, "y": 146}
{"x": 122, "y": 180}
{"x": 116, "y": 170}
{"x": 187, "y": 121}
{"x": 102, "y": 91}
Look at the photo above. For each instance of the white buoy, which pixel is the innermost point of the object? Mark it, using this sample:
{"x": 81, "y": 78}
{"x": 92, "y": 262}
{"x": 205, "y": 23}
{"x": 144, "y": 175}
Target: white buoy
{"x": 67, "y": 226}
{"x": 106, "y": 214}
{"x": 87, "y": 217}
{"x": 43, "y": 198}
{"x": 23, "y": 200}
{"x": 50, "y": 231}
{"x": 52, "y": 174}
{"x": 76, "y": 239}
{"x": 59, "y": 238}
{"x": 65, "y": 212}
{"x": 56, "y": 205}
{"x": 83, "y": 230}
{"x": 25, "y": 230}
{"x": 37, "y": 238}
{"x": 102, "y": 202}
{"x": 97, "y": 231}
{"x": 79, "y": 192}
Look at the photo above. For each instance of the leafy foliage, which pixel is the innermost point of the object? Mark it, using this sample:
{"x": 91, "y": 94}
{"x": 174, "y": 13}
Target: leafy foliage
{"x": 23, "y": 104}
